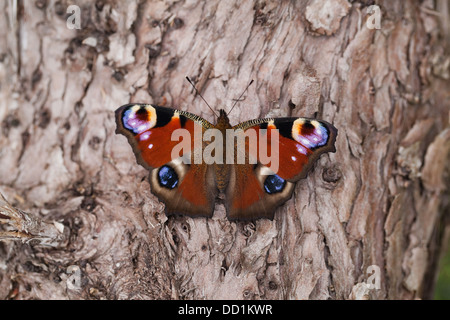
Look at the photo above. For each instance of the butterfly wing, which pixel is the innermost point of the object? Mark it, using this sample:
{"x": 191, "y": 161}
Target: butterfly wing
{"x": 152, "y": 131}
{"x": 292, "y": 145}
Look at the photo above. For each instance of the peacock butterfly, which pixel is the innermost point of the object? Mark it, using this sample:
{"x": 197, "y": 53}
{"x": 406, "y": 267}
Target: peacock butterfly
{"x": 189, "y": 180}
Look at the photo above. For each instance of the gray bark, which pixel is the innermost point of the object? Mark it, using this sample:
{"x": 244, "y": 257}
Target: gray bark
{"x": 381, "y": 200}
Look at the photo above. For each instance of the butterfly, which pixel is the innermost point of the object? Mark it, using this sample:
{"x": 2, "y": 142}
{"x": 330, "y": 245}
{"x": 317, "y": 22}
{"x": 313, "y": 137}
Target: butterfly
{"x": 190, "y": 184}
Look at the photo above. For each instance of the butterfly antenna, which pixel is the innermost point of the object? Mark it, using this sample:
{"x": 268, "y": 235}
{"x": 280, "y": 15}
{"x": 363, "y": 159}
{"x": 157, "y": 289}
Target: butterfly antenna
{"x": 193, "y": 86}
{"x": 240, "y": 97}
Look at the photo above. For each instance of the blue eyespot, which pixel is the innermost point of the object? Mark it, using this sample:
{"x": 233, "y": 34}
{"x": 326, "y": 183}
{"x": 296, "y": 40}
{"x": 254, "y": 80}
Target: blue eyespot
{"x": 168, "y": 178}
{"x": 274, "y": 184}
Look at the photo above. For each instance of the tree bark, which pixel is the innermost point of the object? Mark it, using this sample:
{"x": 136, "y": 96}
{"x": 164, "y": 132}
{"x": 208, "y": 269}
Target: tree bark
{"x": 368, "y": 222}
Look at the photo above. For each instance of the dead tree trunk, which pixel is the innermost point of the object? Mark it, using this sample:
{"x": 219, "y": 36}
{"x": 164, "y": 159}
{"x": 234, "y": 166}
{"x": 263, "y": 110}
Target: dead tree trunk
{"x": 368, "y": 222}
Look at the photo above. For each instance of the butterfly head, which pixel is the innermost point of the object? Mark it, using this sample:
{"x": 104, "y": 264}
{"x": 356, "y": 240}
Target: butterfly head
{"x": 222, "y": 121}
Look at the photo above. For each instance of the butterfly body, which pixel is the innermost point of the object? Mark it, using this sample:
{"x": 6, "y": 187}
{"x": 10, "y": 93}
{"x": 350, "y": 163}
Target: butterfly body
{"x": 253, "y": 184}
{"x": 222, "y": 170}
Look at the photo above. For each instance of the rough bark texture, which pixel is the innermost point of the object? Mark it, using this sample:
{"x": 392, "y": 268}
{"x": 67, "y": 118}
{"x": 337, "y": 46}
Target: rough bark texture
{"x": 381, "y": 199}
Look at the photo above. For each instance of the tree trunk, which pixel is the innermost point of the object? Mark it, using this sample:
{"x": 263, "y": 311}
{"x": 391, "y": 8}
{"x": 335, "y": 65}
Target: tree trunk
{"x": 368, "y": 222}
